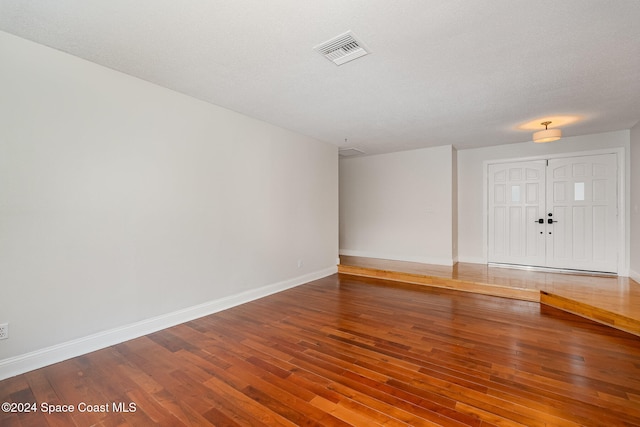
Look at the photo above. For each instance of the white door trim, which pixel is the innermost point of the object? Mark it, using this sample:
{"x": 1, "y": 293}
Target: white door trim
{"x": 623, "y": 242}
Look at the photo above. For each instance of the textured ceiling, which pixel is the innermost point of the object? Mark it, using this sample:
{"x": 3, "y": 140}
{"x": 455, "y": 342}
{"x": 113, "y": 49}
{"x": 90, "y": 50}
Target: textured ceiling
{"x": 459, "y": 72}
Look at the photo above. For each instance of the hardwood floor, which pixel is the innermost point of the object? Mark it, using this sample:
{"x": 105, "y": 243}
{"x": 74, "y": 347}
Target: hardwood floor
{"x": 345, "y": 350}
{"x": 614, "y": 301}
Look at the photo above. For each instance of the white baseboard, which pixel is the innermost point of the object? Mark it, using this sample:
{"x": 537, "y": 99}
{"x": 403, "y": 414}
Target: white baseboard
{"x": 634, "y": 275}
{"x": 423, "y": 260}
{"x": 37, "y": 359}
{"x": 472, "y": 260}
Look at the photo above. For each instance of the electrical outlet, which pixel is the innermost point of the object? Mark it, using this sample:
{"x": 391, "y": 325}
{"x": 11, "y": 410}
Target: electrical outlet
{"x": 4, "y": 331}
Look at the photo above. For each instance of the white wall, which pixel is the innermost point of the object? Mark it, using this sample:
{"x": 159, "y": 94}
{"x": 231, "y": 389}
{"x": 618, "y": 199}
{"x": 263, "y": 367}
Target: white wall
{"x": 635, "y": 203}
{"x": 454, "y": 203}
{"x": 121, "y": 202}
{"x": 470, "y": 181}
{"x": 398, "y": 206}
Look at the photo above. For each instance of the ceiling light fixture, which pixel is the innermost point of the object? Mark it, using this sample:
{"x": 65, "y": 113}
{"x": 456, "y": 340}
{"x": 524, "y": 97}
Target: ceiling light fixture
{"x": 547, "y": 135}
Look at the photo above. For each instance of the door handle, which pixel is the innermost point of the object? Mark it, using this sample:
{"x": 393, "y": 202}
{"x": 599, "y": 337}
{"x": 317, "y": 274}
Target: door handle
{"x": 550, "y": 221}
{"x": 539, "y": 221}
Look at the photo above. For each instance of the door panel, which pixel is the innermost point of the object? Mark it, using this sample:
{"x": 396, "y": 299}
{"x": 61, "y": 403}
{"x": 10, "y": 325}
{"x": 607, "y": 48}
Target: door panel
{"x": 582, "y": 197}
{"x": 516, "y": 202}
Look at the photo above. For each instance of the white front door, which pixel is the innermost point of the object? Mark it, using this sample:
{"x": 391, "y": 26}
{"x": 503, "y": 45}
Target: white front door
{"x": 560, "y": 213}
{"x": 516, "y": 203}
{"x": 582, "y": 202}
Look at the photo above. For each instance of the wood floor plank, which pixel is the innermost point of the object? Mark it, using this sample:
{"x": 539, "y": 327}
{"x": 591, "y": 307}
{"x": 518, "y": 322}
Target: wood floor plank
{"x": 352, "y": 351}
{"x": 244, "y": 404}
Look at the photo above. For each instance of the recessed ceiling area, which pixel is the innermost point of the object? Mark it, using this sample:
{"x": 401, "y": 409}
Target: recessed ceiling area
{"x": 463, "y": 73}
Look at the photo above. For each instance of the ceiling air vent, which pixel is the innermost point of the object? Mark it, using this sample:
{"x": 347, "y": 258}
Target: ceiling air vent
{"x": 349, "y": 152}
{"x": 343, "y": 48}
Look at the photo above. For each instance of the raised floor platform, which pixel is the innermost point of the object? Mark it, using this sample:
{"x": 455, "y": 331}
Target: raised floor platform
{"x": 614, "y": 301}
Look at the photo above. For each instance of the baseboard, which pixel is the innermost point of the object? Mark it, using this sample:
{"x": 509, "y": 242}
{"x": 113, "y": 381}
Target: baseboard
{"x": 423, "y": 260}
{"x": 57, "y": 353}
{"x": 634, "y": 276}
{"x": 472, "y": 260}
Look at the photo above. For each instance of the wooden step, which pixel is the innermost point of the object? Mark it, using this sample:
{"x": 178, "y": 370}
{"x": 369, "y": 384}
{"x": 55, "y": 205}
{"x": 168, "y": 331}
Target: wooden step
{"x": 588, "y": 311}
{"x": 443, "y": 282}
{"x": 563, "y": 302}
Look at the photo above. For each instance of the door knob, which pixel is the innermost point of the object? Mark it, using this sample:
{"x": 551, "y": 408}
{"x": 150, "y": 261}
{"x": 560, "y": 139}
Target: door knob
{"x": 540, "y": 221}
{"x": 550, "y": 221}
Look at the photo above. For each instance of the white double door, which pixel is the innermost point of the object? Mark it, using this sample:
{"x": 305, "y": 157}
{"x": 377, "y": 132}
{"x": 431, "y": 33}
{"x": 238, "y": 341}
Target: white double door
{"x": 558, "y": 213}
